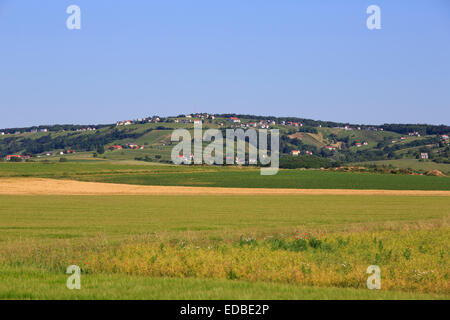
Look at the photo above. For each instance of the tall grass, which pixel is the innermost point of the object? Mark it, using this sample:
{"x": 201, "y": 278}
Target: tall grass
{"x": 409, "y": 260}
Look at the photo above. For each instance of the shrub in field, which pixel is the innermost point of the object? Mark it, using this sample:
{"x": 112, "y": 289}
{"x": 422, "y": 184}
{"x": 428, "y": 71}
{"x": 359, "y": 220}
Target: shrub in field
{"x": 298, "y": 245}
{"x": 315, "y": 243}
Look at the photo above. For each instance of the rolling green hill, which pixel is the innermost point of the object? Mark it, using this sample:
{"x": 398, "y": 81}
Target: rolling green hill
{"x": 339, "y": 143}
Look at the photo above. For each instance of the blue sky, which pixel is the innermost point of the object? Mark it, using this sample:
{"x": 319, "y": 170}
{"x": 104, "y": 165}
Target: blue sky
{"x": 313, "y": 59}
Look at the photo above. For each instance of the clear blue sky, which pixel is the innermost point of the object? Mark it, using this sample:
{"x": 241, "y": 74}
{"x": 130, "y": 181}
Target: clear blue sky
{"x": 314, "y": 59}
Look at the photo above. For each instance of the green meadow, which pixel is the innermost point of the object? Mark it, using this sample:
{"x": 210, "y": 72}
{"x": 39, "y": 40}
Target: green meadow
{"x": 218, "y": 176}
{"x": 224, "y": 247}
{"x": 33, "y": 283}
{"x": 414, "y": 164}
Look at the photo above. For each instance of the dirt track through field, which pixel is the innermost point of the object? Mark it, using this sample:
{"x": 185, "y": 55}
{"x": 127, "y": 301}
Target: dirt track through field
{"x": 39, "y": 186}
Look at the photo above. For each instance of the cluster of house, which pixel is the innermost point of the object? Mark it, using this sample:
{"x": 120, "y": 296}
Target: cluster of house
{"x": 372, "y": 129}
{"x": 401, "y": 138}
{"x": 197, "y": 118}
{"x": 188, "y": 118}
{"x": 349, "y": 128}
{"x": 48, "y": 154}
{"x": 444, "y": 137}
{"x": 359, "y": 144}
{"x": 126, "y": 146}
{"x": 40, "y": 130}
{"x": 34, "y": 130}
{"x": 262, "y": 124}
{"x": 265, "y": 124}
{"x": 229, "y": 159}
{"x": 10, "y": 156}
{"x": 187, "y": 159}
{"x": 291, "y": 123}
{"x": 153, "y": 119}
{"x": 201, "y": 116}
{"x": 414, "y": 134}
{"x": 298, "y": 152}
{"x": 19, "y": 132}
{"x": 234, "y": 120}
{"x": 68, "y": 151}
{"x": 124, "y": 123}
{"x": 86, "y": 129}
{"x": 182, "y": 120}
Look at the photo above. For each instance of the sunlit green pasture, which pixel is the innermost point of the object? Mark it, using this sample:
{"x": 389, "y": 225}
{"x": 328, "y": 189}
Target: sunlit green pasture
{"x": 224, "y": 247}
{"x": 34, "y": 283}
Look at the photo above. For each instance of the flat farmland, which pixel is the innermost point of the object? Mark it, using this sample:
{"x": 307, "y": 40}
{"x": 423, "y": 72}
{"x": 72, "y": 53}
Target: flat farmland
{"x": 217, "y": 176}
{"x": 224, "y": 246}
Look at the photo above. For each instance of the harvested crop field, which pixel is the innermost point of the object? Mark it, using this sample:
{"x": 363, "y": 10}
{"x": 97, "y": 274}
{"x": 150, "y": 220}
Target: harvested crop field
{"x": 42, "y": 186}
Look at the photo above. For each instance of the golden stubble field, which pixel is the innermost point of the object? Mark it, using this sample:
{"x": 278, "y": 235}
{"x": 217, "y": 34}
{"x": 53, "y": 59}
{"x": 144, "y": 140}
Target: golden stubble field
{"x": 42, "y": 186}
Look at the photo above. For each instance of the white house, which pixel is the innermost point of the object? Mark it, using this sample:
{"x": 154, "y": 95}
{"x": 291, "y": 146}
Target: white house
{"x": 234, "y": 120}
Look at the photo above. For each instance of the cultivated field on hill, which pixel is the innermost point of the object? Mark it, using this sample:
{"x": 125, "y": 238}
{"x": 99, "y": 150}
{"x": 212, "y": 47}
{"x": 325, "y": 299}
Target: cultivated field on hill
{"x": 306, "y": 246}
{"x": 413, "y": 164}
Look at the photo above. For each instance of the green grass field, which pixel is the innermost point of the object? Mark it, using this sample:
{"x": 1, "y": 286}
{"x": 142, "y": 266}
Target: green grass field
{"x": 33, "y": 283}
{"x": 224, "y": 247}
{"x": 215, "y": 176}
{"x": 412, "y": 164}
